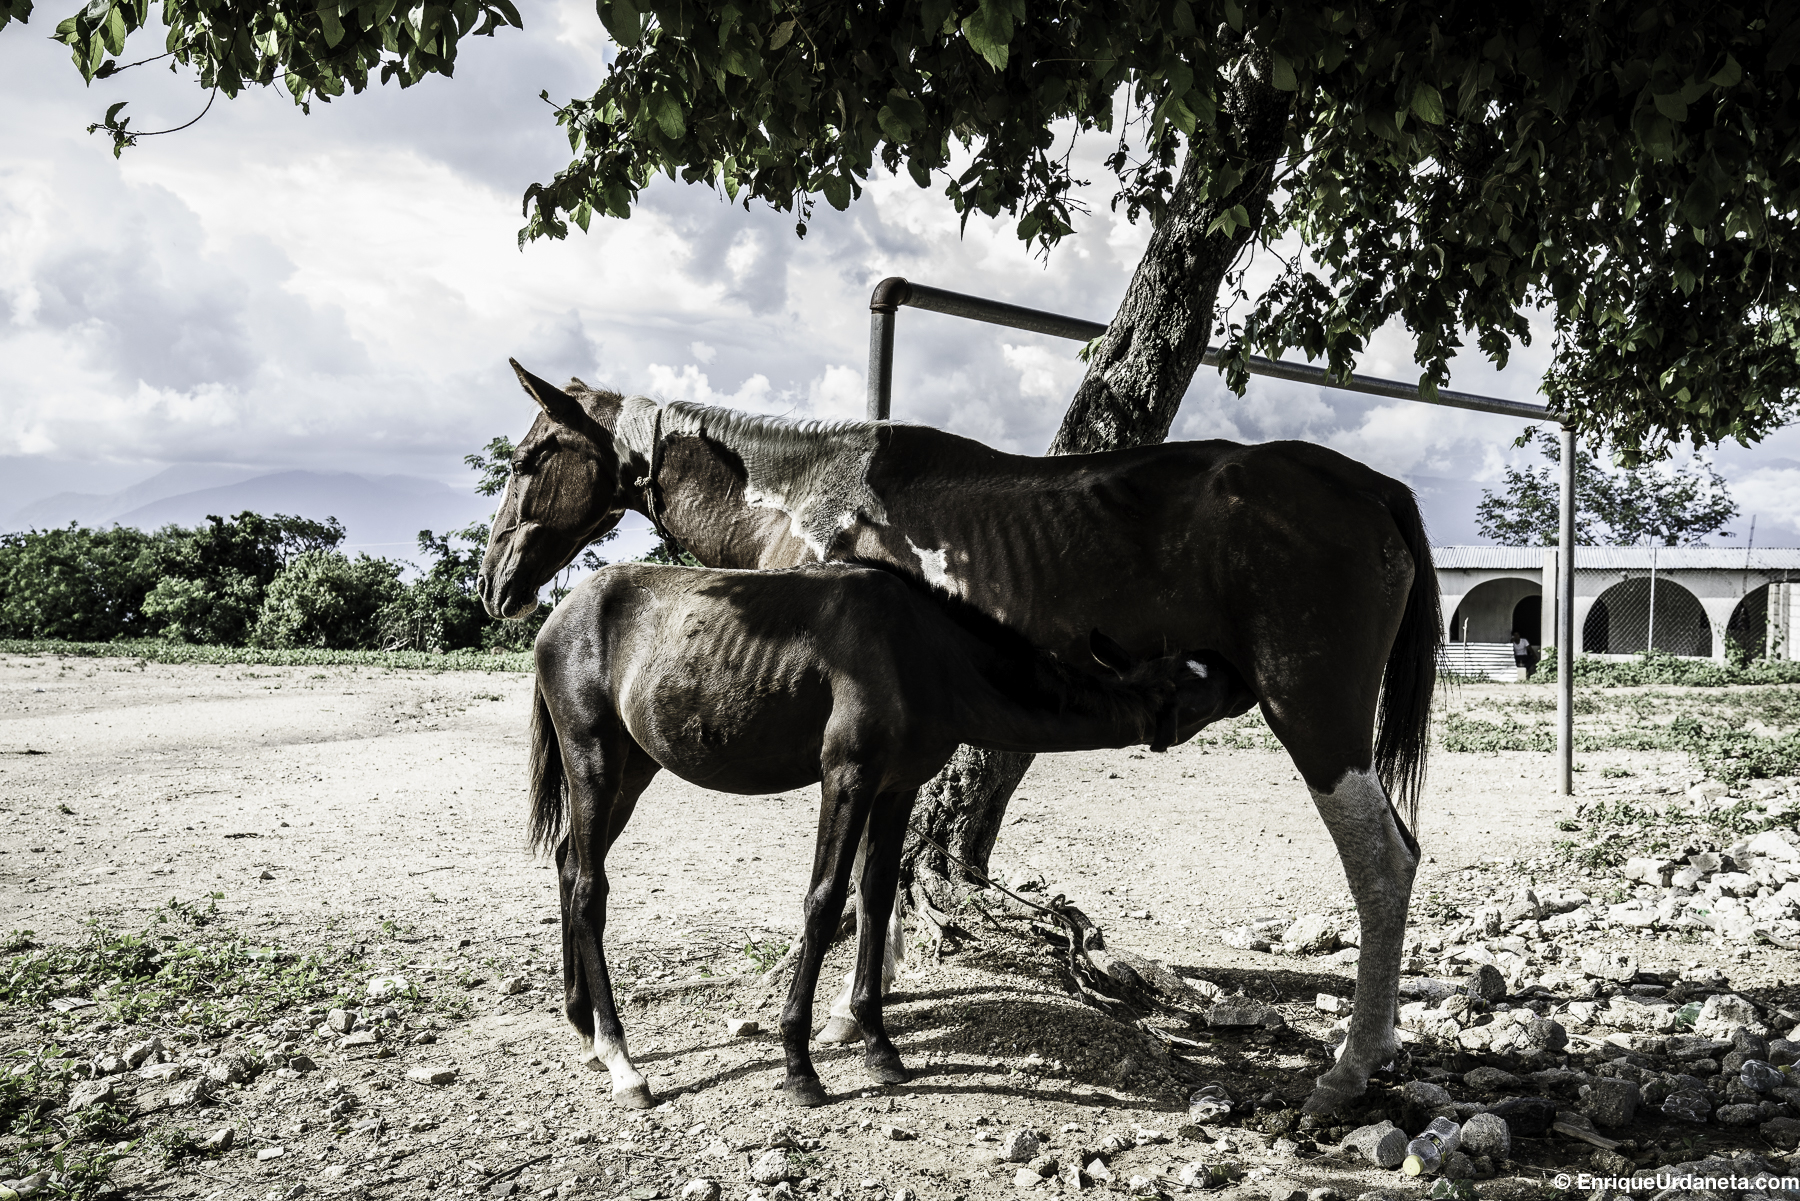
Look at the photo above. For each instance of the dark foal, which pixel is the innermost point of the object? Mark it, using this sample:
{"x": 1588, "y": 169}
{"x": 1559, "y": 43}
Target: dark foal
{"x": 861, "y": 678}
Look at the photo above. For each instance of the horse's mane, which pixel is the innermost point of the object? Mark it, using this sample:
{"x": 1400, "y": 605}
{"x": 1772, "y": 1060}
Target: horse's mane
{"x": 738, "y": 428}
{"x": 1024, "y": 672}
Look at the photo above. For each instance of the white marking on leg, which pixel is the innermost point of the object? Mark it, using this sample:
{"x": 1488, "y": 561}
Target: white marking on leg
{"x": 893, "y": 956}
{"x": 1379, "y": 867}
{"x": 612, "y": 1055}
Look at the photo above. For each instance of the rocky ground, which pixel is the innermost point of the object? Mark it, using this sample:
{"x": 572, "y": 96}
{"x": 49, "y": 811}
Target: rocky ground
{"x": 355, "y": 992}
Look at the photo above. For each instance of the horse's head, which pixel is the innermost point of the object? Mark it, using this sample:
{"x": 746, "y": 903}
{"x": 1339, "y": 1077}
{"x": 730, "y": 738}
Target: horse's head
{"x": 1182, "y": 689}
{"x": 563, "y": 493}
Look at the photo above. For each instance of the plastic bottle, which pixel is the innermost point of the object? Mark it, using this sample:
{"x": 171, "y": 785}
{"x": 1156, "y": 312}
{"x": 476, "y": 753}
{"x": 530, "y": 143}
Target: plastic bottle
{"x": 1434, "y": 1144}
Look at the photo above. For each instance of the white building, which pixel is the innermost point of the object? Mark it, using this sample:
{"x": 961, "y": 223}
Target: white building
{"x": 1692, "y": 601}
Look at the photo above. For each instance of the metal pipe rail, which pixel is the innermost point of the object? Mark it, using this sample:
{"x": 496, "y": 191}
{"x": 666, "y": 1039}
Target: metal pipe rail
{"x": 894, "y": 293}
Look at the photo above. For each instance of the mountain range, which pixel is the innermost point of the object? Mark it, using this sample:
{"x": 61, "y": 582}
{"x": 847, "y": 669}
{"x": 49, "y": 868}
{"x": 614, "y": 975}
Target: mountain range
{"x": 383, "y": 514}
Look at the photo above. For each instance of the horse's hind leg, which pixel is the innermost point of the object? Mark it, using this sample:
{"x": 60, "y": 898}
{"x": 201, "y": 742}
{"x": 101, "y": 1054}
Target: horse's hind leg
{"x": 601, "y": 782}
{"x": 578, "y": 1006}
{"x": 1380, "y": 859}
{"x": 881, "y": 873}
{"x": 841, "y": 1025}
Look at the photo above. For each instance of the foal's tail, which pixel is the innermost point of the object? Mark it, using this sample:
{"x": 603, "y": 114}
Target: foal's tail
{"x": 1411, "y": 673}
{"x": 547, "y": 783}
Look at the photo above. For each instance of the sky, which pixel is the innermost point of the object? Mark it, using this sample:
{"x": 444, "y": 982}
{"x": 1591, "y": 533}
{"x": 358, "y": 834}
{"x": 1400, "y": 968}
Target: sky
{"x": 341, "y": 292}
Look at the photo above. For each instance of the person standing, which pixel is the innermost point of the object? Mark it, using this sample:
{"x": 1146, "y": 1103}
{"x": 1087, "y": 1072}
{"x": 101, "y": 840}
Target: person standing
{"x": 1522, "y": 653}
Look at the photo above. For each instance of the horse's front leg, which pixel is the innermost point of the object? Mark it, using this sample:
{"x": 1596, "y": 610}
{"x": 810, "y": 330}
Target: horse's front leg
{"x": 1380, "y": 858}
{"x": 842, "y": 814}
{"x": 881, "y": 873}
{"x": 578, "y": 1006}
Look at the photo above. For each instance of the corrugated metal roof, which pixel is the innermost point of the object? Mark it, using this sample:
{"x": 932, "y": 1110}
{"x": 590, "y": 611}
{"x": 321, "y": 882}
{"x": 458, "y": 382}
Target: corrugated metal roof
{"x": 1625, "y": 558}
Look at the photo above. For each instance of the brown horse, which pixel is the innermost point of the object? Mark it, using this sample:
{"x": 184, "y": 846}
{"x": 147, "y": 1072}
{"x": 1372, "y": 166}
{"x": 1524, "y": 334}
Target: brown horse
{"x": 1308, "y": 573}
{"x": 857, "y": 677}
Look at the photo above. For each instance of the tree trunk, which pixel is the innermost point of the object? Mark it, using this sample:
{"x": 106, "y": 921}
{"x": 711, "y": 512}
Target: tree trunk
{"x": 1136, "y": 379}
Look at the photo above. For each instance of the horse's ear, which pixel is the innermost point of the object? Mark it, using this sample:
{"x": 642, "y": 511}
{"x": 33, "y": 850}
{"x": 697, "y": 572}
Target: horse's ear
{"x": 558, "y": 405}
{"x": 1109, "y": 653}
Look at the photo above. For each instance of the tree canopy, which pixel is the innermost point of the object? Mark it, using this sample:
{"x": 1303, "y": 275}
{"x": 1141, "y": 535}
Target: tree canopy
{"x": 1631, "y": 171}
{"x": 1648, "y": 504}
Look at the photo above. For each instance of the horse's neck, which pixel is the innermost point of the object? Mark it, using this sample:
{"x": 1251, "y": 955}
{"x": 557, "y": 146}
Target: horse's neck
{"x": 800, "y": 486}
{"x": 997, "y": 718}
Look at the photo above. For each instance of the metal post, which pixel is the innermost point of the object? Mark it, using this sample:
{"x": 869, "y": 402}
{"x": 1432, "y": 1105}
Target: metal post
{"x": 1565, "y": 622}
{"x": 884, "y": 306}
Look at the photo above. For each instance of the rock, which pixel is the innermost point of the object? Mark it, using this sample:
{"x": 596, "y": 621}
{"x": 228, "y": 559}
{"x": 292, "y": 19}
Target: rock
{"x": 742, "y": 1027}
{"x": 1687, "y": 1106}
{"x": 512, "y": 986}
{"x": 1243, "y": 938}
{"x": 1144, "y": 1186}
{"x": 896, "y": 1134}
{"x": 1283, "y": 1190}
{"x": 1487, "y": 983}
{"x": 1312, "y": 934}
{"x": 1327, "y": 1003}
{"x": 700, "y": 1190}
{"x": 110, "y": 1065}
{"x": 149, "y": 1051}
{"x": 86, "y": 1096}
{"x": 425, "y": 1073}
{"x": 1426, "y": 1095}
{"x": 341, "y": 1021}
{"x": 1325, "y": 1194}
{"x": 1018, "y": 1146}
{"x": 220, "y": 1140}
{"x": 1026, "y": 1178}
{"x": 1240, "y": 1013}
{"x": 1383, "y": 1144}
{"x": 1612, "y": 1103}
{"x": 1773, "y": 846}
{"x": 1782, "y": 1132}
{"x": 1619, "y": 968}
{"x": 229, "y": 1070}
{"x": 190, "y": 1092}
{"x": 1486, "y": 1134}
{"x": 1097, "y": 1170}
{"x": 1528, "y": 1117}
{"x": 1783, "y": 1052}
{"x": 1724, "y": 1014}
{"x": 382, "y": 987}
{"x": 1707, "y": 791}
{"x": 268, "y": 1153}
{"x": 772, "y": 1168}
{"x": 359, "y": 1038}
{"x": 1072, "y": 1178}
{"x": 302, "y": 1063}
{"x": 1458, "y": 1167}
{"x": 423, "y": 1038}
{"x": 1491, "y": 1080}
{"x": 1611, "y": 1163}
{"x": 1649, "y": 871}
{"x": 1738, "y": 1115}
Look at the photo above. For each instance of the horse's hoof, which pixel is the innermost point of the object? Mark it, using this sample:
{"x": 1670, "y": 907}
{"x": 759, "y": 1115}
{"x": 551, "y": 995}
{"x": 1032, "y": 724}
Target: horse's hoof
{"x": 636, "y": 1097}
{"x": 806, "y": 1092}
{"x": 1327, "y": 1099}
{"x": 888, "y": 1070}
{"x": 840, "y": 1030}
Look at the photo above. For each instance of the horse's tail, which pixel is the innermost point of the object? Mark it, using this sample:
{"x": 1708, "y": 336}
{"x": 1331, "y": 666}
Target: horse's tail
{"x": 547, "y": 783}
{"x": 1411, "y": 673}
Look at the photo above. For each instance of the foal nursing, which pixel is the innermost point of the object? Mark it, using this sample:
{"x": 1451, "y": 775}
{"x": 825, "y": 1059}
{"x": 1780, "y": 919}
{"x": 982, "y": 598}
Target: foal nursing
{"x": 857, "y": 676}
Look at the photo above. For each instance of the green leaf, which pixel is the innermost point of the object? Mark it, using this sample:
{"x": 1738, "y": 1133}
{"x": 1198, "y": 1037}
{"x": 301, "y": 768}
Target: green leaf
{"x": 837, "y": 191}
{"x": 1728, "y": 75}
{"x": 115, "y": 30}
{"x": 1671, "y": 106}
{"x": 330, "y": 25}
{"x": 989, "y": 30}
{"x": 1284, "y": 75}
{"x": 666, "y": 110}
{"x": 1428, "y": 104}
{"x": 784, "y": 32}
{"x": 622, "y": 21}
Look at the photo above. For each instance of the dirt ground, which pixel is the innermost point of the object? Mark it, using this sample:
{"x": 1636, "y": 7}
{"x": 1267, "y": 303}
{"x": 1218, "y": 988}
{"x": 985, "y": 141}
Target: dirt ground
{"x": 330, "y": 805}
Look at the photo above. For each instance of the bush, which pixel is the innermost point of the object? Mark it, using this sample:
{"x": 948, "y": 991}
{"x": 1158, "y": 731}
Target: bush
{"x": 326, "y": 600}
{"x": 1662, "y": 668}
{"x": 433, "y": 614}
{"x": 73, "y": 583}
{"x": 218, "y": 610}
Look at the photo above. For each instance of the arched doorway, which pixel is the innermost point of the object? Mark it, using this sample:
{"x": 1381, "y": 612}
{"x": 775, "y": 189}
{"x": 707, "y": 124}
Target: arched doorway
{"x": 1748, "y": 629}
{"x": 1490, "y": 610}
{"x": 1528, "y": 618}
{"x": 1628, "y": 619}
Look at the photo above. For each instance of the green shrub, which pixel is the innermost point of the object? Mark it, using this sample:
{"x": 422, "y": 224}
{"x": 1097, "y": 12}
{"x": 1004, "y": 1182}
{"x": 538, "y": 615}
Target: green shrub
{"x": 74, "y": 583}
{"x": 217, "y": 610}
{"x": 433, "y": 613}
{"x": 326, "y": 600}
{"x": 1662, "y": 668}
